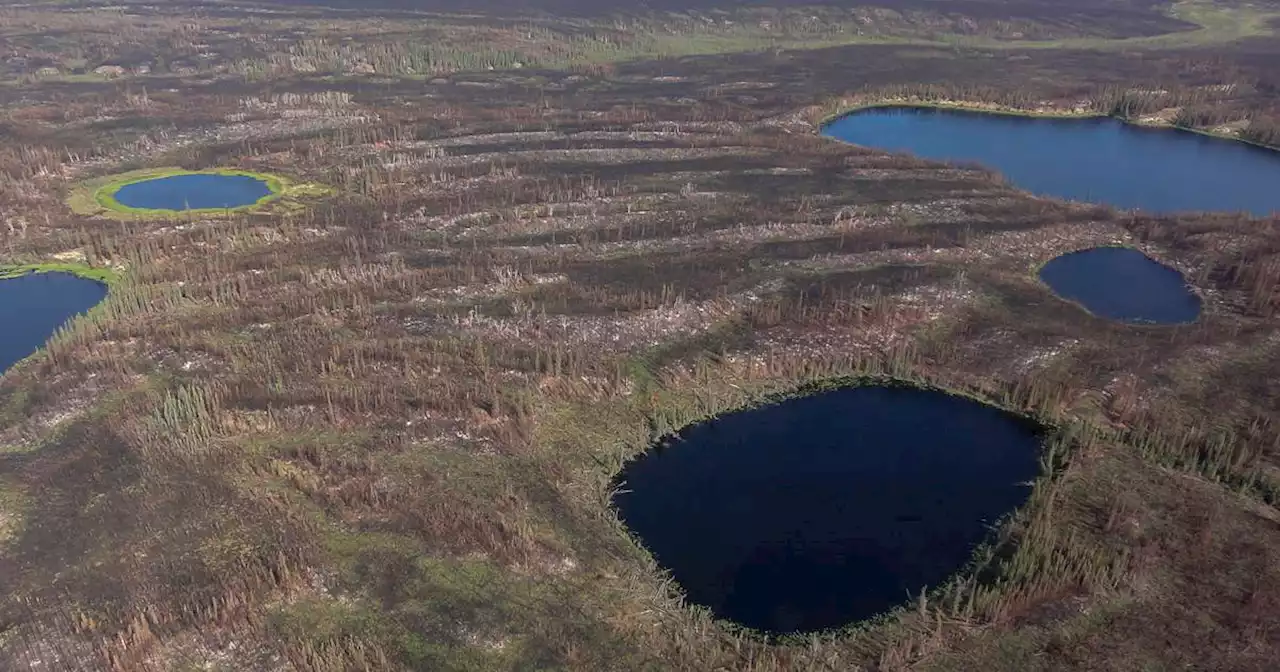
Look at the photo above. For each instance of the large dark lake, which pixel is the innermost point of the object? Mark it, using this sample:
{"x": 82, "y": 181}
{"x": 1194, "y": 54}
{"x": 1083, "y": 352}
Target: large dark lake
{"x": 193, "y": 192}
{"x": 830, "y": 509}
{"x": 33, "y": 307}
{"x": 1122, "y": 284}
{"x": 1094, "y": 160}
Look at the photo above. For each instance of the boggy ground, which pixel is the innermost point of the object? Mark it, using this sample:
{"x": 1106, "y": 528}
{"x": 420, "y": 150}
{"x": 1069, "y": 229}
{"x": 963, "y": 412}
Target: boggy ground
{"x": 379, "y": 433}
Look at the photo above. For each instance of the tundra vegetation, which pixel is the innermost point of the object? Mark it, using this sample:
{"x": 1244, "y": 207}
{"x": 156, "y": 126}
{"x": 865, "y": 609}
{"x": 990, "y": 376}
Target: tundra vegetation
{"x": 378, "y": 429}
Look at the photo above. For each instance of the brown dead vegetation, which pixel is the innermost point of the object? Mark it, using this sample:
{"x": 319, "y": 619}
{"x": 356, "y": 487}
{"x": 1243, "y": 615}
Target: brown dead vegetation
{"x": 378, "y": 433}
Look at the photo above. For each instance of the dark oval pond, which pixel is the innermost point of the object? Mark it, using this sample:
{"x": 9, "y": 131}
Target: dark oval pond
{"x": 1093, "y": 160}
{"x": 34, "y": 306}
{"x": 193, "y": 191}
{"x": 1122, "y": 284}
{"x": 829, "y": 509}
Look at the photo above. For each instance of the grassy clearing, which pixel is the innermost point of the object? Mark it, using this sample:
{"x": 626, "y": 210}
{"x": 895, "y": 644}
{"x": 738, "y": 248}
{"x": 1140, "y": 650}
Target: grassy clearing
{"x": 1218, "y": 24}
{"x": 345, "y": 45}
{"x": 676, "y": 38}
{"x": 461, "y": 44}
{"x": 96, "y": 197}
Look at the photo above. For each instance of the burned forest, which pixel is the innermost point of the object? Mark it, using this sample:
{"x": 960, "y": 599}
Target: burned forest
{"x": 342, "y": 336}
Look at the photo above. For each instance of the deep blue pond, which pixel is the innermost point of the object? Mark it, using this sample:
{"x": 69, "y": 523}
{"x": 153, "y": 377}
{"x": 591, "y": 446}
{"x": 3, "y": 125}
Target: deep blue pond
{"x": 1122, "y": 284}
{"x": 33, "y": 306}
{"x": 825, "y": 510}
{"x": 194, "y": 191}
{"x": 1094, "y": 160}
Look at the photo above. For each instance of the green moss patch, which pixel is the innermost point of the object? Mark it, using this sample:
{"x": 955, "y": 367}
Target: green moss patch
{"x": 96, "y": 197}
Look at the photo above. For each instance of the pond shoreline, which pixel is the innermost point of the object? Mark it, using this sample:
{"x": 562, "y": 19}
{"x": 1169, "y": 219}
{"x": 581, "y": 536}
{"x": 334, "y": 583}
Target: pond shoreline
{"x": 105, "y": 195}
{"x": 1024, "y": 457}
{"x": 96, "y": 196}
{"x": 1073, "y": 297}
{"x": 1076, "y": 155}
{"x": 1058, "y": 439}
{"x": 1044, "y": 112}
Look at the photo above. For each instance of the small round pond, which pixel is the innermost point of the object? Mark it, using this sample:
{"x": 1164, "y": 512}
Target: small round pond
{"x": 193, "y": 191}
{"x": 1093, "y": 160}
{"x": 825, "y": 510}
{"x": 34, "y": 306}
{"x": 1122, "y": 284}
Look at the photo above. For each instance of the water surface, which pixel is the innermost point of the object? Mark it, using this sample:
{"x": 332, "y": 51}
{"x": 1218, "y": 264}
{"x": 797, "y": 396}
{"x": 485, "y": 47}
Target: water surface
{"x": 34, "y": 306}
{"x": 1094, "y": 160}
{"x": 1122, "y": 284}
{"x": 195, "y": 191}
{"x": 830, "y": 509}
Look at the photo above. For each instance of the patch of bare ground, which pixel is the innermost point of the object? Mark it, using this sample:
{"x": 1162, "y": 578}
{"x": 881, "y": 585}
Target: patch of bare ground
{"x": 637, "y": 329}
{"x": 30, "y": 420}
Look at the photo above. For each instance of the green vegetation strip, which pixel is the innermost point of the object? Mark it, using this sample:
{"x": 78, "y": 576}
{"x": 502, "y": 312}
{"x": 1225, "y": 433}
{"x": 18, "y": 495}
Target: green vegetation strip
{"x": 104, "y": 274}
{"x": 1216, "y": 24}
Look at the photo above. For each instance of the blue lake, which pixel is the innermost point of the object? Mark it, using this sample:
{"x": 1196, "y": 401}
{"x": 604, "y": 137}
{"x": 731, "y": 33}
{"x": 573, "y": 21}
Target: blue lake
{"x": 33, "y": 307}
{"x": 194, "y": 191}
{"x": 830, "y": 509}
{"x": 1122, "y": 284}
{"x": 1095, "y": 160}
